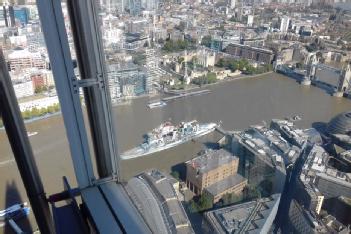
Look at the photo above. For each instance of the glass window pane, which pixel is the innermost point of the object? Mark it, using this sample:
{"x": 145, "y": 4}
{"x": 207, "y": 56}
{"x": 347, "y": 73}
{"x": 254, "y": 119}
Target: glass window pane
{"x": 172, "y": 62}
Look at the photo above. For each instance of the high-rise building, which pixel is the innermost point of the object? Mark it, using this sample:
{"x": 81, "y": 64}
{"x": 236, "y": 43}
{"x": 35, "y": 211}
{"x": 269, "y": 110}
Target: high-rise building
{"x": 250, "y": 20}
{"x": 150, "y": 5}
{"x": 284, "y": 24}
{"x": 113, "y": 5}
{"x": 12, "y": 16}
{"x": 21, "y": 14}
{"x": 231, "y": 4}
{"x": 303, "y": 221}
{"x": 134, "y": 7}
{"x": 126, "y": 81}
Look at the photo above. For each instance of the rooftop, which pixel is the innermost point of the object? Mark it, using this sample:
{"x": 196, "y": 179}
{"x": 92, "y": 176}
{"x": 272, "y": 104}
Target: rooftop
{"x": 266, "y": 145}
{"x": 289, "y": 129}
{"x": 225, "y": 184}
{"x": 163, "y": 191}
{"x": 211, "y": 160}
{"x": 340, "y": 124}
{"x": 262, "y": 50}
{"x": 249, "y": 217}
{"x": 316, "y": 160}
{"x": 148, "y": 206}
{"x": 279, "y": 144}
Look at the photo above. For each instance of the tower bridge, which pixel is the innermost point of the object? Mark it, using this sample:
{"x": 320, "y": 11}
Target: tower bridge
{"x": 343, "y": 85}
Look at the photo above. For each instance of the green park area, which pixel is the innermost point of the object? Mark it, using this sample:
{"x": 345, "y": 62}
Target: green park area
{"x": 36, "y": 112}
{"x": 176, "y": 46}
{"x": 244, "y": 66}
{"x": 210, "y": 78}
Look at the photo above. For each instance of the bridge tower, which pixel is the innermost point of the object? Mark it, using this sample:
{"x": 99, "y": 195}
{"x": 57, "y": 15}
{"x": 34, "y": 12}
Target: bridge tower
{"x": 186, "y": 78}
{"x": 310, "y": 62}
{"x": 344, "y": 81}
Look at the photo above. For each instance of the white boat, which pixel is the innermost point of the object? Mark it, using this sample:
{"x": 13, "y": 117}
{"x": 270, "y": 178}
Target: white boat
{"x": 158, "y": 104}
{"x": 167, "y": 136}
{"x": 29, "y": 134}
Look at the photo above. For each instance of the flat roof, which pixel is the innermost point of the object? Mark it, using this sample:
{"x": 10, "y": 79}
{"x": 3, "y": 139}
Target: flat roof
{"x": 247, "y": 217}
{"x": 263, "y": 50}
{"x": 225, "y": 184}
{"x": 211, "y": 160}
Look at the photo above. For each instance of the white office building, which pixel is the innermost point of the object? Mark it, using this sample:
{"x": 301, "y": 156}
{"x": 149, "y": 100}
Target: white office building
{"x": 284, "y": 24}
{"x": 24, "y": 89}
{"x": 250, "y": 20}
{"x": 231, "y": 4}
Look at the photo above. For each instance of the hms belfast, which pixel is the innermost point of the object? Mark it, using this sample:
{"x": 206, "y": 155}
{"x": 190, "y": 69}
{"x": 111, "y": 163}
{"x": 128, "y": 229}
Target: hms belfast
{"x": 167, "y": 136}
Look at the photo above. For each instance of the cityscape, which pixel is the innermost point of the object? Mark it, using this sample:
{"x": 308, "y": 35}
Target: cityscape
{"x": 175, "y": 116}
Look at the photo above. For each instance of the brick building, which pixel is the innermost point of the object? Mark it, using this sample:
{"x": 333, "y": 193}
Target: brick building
{"x": 251, "y": 53}
{"x": 215, "y": 173}
{"x": 38, "y": 80}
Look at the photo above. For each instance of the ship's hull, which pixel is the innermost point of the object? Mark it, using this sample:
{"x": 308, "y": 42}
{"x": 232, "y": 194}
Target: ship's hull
{"x": 140, "y": 152}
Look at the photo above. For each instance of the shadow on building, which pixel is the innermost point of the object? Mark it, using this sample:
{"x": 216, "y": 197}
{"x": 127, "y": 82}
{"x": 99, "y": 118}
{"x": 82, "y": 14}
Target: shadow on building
{"x": 12, "y": 197}
{"x": 339, "y": 208}
{"x": 181, "y": 169}
{"x": 212, "y": 145}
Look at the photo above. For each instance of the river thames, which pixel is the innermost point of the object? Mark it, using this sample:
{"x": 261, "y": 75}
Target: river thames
{"x": 238, "y": 104}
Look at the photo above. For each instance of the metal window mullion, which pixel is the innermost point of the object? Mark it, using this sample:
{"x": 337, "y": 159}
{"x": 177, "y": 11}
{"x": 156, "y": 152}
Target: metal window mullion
{"x": 105, "y": 94}
{"x": 52, "y": 22}
{"x": 91, "y": 64}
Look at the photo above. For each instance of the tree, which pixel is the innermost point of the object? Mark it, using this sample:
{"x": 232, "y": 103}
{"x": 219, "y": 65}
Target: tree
{"x": 38, "y": 89}
{"x": 43, "y": 111}
{"x": 221, "y": 63}
{"x": 211, "y": 78}
{"x": 205, "y": 202}
{"x": 251, "y": 192}
{"x": 1, "y": 123}
{"x": 233, "y": 19}
{"x": 56, "y": 107}
{"x": 192, "y": 206}
{"x": 41, "y": 89}
{"x": 179, "y": 45}
{"x": 250, "y": 70}
{"x": 139, "y": 59}
{"x": 206, "y": 41}
{"x": 233, "y": 66}
{"x": 175, "y": 174}
{"x": 26, "y": 114}
{"x": 35, "y": 112}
